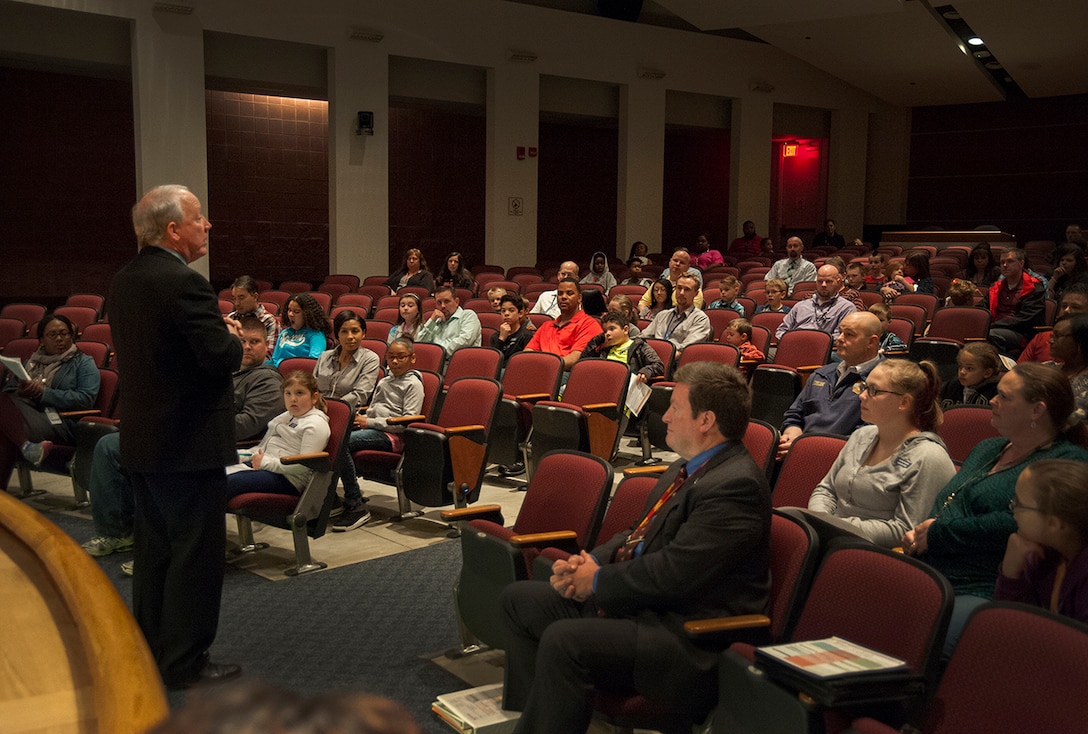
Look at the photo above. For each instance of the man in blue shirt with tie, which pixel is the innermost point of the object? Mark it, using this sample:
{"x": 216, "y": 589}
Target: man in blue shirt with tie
{"x": 612, "y": 619}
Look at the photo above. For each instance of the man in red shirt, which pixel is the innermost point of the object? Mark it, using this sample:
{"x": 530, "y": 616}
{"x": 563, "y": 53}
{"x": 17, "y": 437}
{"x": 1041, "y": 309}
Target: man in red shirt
{"x": 748, "y": 243}
{"x": 1017, "y": 303}
{"x": 571, "y": 330}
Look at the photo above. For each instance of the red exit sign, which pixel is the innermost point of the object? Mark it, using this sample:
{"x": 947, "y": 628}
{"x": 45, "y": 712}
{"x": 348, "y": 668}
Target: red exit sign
{"x": 789, "y": 150}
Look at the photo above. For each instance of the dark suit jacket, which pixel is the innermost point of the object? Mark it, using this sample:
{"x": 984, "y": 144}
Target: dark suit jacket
{"x": 706, "y": 554}
{"x": 176, "y": 359}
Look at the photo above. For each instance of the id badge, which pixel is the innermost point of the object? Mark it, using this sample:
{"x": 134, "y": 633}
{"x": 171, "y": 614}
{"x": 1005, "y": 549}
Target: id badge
{"x": 53, "y": 416}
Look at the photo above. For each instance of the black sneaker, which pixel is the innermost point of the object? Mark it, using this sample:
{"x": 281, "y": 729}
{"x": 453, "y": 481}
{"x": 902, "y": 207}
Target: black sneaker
{"x": 350, "y": 519}
{"x": 512, "y": 470}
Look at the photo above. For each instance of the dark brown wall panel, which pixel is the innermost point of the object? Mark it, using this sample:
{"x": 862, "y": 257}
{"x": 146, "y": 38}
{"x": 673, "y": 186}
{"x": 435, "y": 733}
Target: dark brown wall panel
{"x": 696, "y": 195}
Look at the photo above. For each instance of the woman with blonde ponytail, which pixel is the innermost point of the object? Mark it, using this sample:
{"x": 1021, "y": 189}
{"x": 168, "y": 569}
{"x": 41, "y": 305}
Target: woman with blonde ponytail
{"x": 889, "y": 472}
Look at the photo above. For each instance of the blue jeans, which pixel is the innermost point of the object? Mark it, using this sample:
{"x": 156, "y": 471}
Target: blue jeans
{"x": 962, "y": 606}
{"x": 112, "y": 504}
{"x": 259, "y": 481}
{"x": 364, "y": 439}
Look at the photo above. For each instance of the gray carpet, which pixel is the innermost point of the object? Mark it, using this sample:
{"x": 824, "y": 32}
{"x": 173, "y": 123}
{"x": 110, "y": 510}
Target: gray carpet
{"x": 371, "y": 626}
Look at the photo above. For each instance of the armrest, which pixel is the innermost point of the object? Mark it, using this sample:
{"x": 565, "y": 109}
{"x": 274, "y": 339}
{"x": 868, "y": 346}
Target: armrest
{"x": 79, "y": 413}
{"x": 317, "y": 461}
{"x": 475, "y": 512}
{"x": 532, "y": 397}
{"x": 641, "y": 471}
{"x": 563, "y": 539}
{"x": 808, "y": 367}
{"x": 459, "y": 430}
{"x": 716, "y": 625}
{"x": 600, "y": 407}
{"x": 406, "y": 419}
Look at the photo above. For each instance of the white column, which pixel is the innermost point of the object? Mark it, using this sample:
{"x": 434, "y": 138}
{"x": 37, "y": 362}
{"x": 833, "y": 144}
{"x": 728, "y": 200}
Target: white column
{"x": 846, "y": 171}
{"x": 513, "y": 120}
{"x": 168, "y": 106}
{"x": 641, "y": 170}
{"x": 750, "y": 169}
{"x": 358, "y": 164}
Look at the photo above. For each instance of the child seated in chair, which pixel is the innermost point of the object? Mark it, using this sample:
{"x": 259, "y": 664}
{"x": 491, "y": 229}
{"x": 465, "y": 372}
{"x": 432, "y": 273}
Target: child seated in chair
{"x": 303, "y": 428}
{"x": 615, "y": 343}
{"x": 978, "y": 371}
{"x": 776, "y": 291}
{"x": 739, "y": 334}
{"x": 889, "y": 342}
{"x": 729, "y": 287}
{"x": 398, "y": 394}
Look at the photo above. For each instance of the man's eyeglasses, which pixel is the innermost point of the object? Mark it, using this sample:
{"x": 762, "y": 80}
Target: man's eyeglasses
{"x": 860, "y": 387}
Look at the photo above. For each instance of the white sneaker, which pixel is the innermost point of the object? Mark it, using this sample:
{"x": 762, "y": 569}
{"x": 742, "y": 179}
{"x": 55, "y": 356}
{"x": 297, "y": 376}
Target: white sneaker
{"x": 35, "y": 453}
{"x": 126, "y": 567}
{"x": 103, "y": 545}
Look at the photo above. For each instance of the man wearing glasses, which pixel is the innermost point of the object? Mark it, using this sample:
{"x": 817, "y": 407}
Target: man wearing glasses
{"x": 1017, "y": 304}
{"x": 828, "y": 403}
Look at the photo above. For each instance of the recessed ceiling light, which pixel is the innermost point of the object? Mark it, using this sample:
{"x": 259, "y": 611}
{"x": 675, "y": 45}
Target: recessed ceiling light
{"x": 976, "y": 41}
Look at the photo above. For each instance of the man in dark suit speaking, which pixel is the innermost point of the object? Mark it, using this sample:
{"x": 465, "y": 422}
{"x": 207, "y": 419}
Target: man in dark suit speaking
{"x": 176, "y": 355}
{"x": 611, "y": 618}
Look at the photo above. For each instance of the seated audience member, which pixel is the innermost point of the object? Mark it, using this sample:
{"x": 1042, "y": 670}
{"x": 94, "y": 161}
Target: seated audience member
{"x": 635, "y": 275}
{"x": 398, "y": 394}
{"x": 679, "y": 266}
{"x": 548, "y": 301}
{"x": 896, "y": 281}
{"x": 969, "y": 525}
{"x": 1017, "y": 304}
{"x": 639, "y": 250}
{"x": 982, "y": 269}
{"x": 599, "y": 273}
{"x": 705, "y": 256}
{"x": 245, "y": 295}
{"x": 1074, "y": 301}
{"x": 846, "y": 291}
{"x": 1045, "y": 562}
{"x": 793, "y": 268}
{"x": 828, "y": 402}
{"x": 252, "y": 706}
{"x": 916, "y": 268}
{"x": 978, "y": 369}
{"x": 616, "y": 344}
{"x": 1071, "y": 269}
{"x": 660, "y": 299}
{"x": 961, "y": 293}
{"x": 409, "y": 318}
{"x": 855, "y": 277}
{"x": 1069, "y": 347}
{"x": 1074, "y": 234}
{"x": 512, "y": 335}
{"x": 62, "y": 378}
{"x": 413, "y": 273}
{"x": 888, "y": 473}
{"x": 824, "y": 310}
{"x": 729, "y": 287}
{"x": 349, "y": 370}
{"x": 593, "y": 302}
{"x": 829, "y": 237}
{"x": 878, "y": 262}
{"x": 749, "y": 243}
{"x": 450, "y": 326}
{"x": 766, "y": 248}
{"x": 776, "y": 291}
{"x": 622, "y": 304}
{"x": 258, "y": 398}
{"x": 455, "y": 274}
{"x": 494, "y": 297}
{"x": 568, "y": 334}
{"x": 305, "y": 330}
{"x": 683, "y": 324}
{"x": 889, "y": 342}
{"x": 302, "y": 429}
{"x": 609, "y": 618}
{"x": 739, "y": 334}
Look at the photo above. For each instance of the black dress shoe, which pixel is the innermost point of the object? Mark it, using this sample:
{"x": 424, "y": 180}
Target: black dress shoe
{"x": 512, "y": 470}
{"x": 209, "y": 675}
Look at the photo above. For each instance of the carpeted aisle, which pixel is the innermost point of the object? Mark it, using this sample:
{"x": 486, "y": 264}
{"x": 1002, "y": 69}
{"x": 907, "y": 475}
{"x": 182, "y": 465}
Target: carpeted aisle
{"x": 369, "y": 626}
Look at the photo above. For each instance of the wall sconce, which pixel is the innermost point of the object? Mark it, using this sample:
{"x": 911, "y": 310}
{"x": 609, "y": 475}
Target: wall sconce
{"x": 365, "y": 124}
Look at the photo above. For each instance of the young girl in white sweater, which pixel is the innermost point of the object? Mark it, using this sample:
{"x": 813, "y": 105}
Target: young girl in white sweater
{"x": 302, "y": 429}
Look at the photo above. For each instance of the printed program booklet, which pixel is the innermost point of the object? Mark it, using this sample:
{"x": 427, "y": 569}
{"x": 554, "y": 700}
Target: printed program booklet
{"x": 476, "y": 711}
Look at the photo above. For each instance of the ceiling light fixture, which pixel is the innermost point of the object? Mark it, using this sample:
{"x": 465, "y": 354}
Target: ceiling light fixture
{"x": 976, "y": 41}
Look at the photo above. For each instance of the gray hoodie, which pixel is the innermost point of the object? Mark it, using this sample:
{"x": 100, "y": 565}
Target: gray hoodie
{"x": 886, "y": 500}
{"x": 393, "y": 398}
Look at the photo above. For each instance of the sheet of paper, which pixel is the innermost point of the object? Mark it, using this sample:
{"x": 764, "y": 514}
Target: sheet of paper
{"x": 637, "y": 395}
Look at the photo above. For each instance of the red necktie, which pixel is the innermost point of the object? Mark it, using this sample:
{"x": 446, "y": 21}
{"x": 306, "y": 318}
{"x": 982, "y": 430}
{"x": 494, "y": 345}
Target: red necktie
{"x": 627, "y": 550}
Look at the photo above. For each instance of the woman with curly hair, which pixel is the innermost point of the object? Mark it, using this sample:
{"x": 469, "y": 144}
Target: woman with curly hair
{"x": 305, "y": 329}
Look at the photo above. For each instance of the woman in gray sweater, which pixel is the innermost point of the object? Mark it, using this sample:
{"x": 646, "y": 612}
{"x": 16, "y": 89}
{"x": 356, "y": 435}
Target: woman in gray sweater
{"x": 888, "y": 473}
